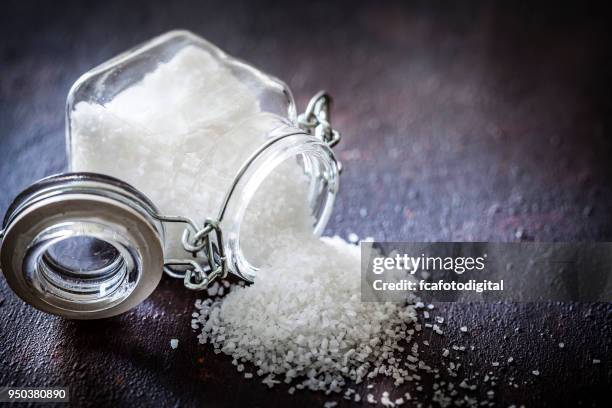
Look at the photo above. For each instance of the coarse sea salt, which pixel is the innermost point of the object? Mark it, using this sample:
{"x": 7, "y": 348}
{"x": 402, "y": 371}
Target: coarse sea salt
{"x": 179, "y": 135}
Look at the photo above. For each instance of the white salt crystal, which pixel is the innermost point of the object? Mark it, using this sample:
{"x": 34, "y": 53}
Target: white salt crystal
{"x": 385, "y": 401}
{"x": 213, "y": 289}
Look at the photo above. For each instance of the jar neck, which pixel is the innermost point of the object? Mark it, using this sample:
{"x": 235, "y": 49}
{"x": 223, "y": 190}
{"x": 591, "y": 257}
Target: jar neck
{"x": 317, "y": 164}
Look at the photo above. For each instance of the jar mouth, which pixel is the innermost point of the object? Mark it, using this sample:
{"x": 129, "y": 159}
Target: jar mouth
{"x": 319, "y": 169}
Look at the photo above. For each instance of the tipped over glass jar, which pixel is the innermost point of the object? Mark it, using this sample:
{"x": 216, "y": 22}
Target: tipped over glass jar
{"x": 168, "y": 143}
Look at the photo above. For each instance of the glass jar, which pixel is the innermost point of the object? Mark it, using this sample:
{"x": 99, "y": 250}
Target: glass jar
{"x": 168, "y": 143}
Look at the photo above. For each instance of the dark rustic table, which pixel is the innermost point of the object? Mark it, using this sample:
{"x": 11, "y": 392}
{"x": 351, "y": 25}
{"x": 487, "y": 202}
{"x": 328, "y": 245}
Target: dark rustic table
{"x": 473, "y": 122}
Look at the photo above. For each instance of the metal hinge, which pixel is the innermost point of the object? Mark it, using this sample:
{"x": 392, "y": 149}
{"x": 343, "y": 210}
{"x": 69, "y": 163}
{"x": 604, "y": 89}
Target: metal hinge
{"x": 316, "y": 119}
{"x": 207, "y": 241}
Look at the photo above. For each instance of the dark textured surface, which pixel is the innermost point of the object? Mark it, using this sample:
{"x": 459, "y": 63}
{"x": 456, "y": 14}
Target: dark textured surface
{"x": 472, "y": 123}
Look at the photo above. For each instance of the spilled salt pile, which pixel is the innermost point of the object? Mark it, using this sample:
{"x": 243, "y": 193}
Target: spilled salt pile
{"x": 303, "y": 317}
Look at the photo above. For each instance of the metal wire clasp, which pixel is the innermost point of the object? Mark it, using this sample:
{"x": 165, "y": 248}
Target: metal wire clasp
{"x": 316, "y": 119}
{"x": 209, "y": 240}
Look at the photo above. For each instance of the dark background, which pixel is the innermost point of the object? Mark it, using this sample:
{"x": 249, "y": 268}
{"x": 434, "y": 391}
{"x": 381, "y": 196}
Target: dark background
{"x": 464, "y": 121}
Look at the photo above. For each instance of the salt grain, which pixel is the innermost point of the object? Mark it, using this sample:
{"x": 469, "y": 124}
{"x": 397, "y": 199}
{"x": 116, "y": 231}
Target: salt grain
{"x": 385, "y": 401}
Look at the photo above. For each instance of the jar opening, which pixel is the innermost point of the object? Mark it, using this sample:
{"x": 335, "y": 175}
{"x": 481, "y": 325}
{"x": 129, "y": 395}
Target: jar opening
{"x": 286, "y": 193}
